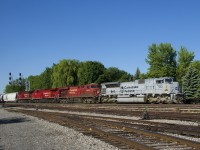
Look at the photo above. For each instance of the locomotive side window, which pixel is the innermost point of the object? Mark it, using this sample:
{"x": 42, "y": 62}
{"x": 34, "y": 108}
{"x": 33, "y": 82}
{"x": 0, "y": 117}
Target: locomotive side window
{"x": 112, "y": 85}
{"x": 168, "y": 80}
{"x": 159, "y": 81}
{"x": 93, "y": 86}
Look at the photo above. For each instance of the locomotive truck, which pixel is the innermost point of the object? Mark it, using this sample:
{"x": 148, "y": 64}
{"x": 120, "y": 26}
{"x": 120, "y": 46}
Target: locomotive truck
{"x": 153, "y": 90}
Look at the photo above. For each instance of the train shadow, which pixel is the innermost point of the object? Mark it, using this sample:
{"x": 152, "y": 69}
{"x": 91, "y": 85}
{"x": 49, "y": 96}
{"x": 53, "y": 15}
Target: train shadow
{"x": 12, "y": 120}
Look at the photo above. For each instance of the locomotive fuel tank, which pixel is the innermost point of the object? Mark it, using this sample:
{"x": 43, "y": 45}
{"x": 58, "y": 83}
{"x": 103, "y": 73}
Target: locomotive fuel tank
{"x": 129, "y": 99}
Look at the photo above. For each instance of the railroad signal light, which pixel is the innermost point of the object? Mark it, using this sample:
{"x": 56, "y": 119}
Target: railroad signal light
{"x": 20, "y": 76}
{"x": 10, "y": 78}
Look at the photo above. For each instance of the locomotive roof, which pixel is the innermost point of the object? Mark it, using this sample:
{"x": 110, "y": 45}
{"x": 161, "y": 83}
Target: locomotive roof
{"x": 108, "y": 83}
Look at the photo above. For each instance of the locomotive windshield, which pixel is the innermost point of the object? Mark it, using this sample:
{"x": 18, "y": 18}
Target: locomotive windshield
{"x": 167, "y": 80}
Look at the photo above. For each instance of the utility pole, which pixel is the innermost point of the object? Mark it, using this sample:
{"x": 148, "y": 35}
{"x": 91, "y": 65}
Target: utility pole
{"x": 27, "y": 85}
{"x": 20, "y": 82}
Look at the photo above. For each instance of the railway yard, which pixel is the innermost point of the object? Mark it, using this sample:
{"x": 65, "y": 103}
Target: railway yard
{"x": 121, "y": 126}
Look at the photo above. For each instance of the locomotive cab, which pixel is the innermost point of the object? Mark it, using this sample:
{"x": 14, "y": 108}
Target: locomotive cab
{"x": 164, "y": 85}
{"x": 110, "y": 91}
{"x": 167, "y": 90}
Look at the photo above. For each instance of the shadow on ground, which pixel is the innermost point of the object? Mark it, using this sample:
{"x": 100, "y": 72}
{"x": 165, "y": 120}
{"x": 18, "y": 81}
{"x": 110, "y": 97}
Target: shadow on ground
{"x": 1, "y": 148}
{"x": 12, "y": 120}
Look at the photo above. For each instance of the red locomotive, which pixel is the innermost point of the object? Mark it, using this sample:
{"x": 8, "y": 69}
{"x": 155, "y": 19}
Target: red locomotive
{"x": 23, "y": 96}
{"x": 88, "y": 93}
{"x": 46, "y": 95}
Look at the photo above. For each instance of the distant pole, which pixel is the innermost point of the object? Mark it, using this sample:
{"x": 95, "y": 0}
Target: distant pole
{"x": 27, "y": 84}
{"x": 20, "y": 82}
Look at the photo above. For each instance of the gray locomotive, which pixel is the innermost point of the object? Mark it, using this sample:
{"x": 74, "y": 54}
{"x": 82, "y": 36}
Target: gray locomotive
{"x": 154, "y": 90}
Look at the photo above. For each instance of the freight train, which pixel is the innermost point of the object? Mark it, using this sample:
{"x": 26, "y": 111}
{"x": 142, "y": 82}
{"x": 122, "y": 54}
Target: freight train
{"x": 153, "y": 90}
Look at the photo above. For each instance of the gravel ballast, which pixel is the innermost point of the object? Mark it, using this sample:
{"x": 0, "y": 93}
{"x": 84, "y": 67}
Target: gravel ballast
{"x": 22, "y": 132}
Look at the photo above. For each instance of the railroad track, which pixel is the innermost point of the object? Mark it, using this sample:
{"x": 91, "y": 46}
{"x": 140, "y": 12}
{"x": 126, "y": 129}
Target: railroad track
{"x": 192, "y": 131}
{"x": 123, "y": 134}
{"x": 120, "y": 110}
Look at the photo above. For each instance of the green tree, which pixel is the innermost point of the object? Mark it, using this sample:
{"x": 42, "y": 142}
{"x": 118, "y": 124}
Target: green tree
{"x": 16, "y": 86}
{"x": 162, "y": 60}
{"x": 11, "y": 88}
{"x": 89, "y": 72}
{"x": 184, "y": 59}
{"x": 191, "y": 83}
{"x": 113, "y": 74}
{"x": 196, "y": 65}
{"x": 143, "y": 76}
{"x": 137, "y": 74}
{"x": 65, "y": 73}
{"x": 35, "y": 82}
{"x": 45, "y": 77}
{"x": 126, "y": 77}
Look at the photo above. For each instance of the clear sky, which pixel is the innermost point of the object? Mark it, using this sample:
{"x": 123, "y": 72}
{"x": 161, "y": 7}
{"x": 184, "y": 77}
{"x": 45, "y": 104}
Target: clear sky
{"x": 34, "y": 34}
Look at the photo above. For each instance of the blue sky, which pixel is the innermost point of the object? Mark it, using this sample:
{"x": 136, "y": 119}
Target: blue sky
{"x": 34, "y": 34}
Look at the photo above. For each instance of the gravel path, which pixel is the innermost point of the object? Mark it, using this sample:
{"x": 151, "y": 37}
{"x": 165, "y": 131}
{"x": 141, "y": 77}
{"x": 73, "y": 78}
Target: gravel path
{"x": 21, "y": 132}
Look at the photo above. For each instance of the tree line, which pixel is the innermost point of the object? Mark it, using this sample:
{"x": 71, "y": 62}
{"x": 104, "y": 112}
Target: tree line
{"x": 70, "y": 72}
{"x": 163, "y": 60}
